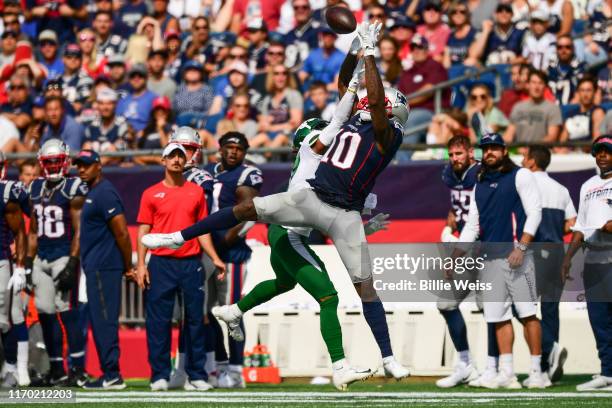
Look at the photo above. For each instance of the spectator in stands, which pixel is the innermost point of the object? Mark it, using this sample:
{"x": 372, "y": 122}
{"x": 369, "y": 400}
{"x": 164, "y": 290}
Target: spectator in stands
{"x": 323, "y": 63}
{"x": 238, "y": 120}
{"x": 606, "y": 126}
{"x": 173, "y": 45}
{"x": 444, "y": 126}
{"x": 76, "y": 83}
{"x": 377, "y": 14}
{"x": 51, "y": 60}
{"x": 245, "y": 11}
{"x": 236, "y": 83}
{"x": 9, "y": 45}
{"x": 561, "y": 14}
{"x": 584, "y": 122}
{"x": 320, "y": 104}
{"x": 198, "y": 45}
{"x": 94, "y": 63}
{"x": 305, "y": 35}
{"x": 461, "y": 37}
{"x": 237, "y": 53}
{"x": 257, "y": 34}
{"x": 604, "y": 81}
{"x": 434, "y": 30}
{"x": 536, "y": 119}
{"x": 223, "y": 43}
{"x": 498, "y": 43}
{"x": 33, "y": 134}
{"x": 480, "y": 10}
{"x": 28, "y": 170}
{"x": 395, "y": 8}
{"x": 61, "y": 17}
{"x": 193, "y": 98}
{"x": 107, "y": 43}
{"x": 402, "y": 31}
{"x": 149, "y": 28}
{"x": 480, "y": 101}
{"x": 117, "y": 74}
{"x": 107, "y": 132}
{"x": 539, "y": 45}
{"x": 565, "y": 71}
{"x": 11, "y": 22}
{"x": 424, "y": 74}
{"x": 275, "y": 55}
{"x": 282, "y": 108}
{"x": 589, "y": 50}
{"x": 60, "y": 125}
{"x": 54, "y": 88}
{"x": 18, "y": 109}
{"x": 131, "y": 14}
{"x": 9, "y": 136}
{"x": 136, "y": 105}
{"x": 158, "y": 83}
{"x": 389, "y": 65}
{"x": 157, "y": 132}
{"x": 165, "y": 20}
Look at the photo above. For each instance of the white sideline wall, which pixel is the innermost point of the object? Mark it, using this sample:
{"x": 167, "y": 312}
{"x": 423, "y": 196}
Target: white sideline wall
{"x": 289, "y": 326}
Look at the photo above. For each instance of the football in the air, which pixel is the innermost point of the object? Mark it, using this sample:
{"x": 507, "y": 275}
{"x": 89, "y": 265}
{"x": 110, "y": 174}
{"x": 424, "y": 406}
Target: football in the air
{"x": 341, "y": 20}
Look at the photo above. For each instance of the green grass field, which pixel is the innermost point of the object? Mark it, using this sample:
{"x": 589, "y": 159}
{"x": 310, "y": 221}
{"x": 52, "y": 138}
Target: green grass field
{"x": 414, "y": 392}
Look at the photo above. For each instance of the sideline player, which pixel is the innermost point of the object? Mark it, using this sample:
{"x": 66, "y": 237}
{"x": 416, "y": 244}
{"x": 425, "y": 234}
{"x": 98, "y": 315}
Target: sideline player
{"x": 505, "y": 207}
{"x": 13, "y": 279}
{"x": 558, "y": 216}
{"x": 53, "y": 255}
{"x": 345, "y": 177}
{"x": 594, "y": 228}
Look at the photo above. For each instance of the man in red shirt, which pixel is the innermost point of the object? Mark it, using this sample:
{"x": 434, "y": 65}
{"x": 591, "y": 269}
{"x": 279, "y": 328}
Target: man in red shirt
{"x": 172, "y": 204}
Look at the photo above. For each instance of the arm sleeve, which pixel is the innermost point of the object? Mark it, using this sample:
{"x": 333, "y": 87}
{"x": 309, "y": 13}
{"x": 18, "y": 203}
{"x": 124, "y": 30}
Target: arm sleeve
{"x": 471, "y": 230}
{"x": 555, "y": 116}
{"x": 341, "y": 115}
{"x": 570, "y": 210}
{"x": 111, "y": 205}
{"x": 527, "y": 189}
{"x": 145, "y": 212}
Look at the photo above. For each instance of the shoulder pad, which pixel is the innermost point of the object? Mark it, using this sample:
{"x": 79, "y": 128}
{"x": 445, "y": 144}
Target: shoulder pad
{"x": 74, "y": 187}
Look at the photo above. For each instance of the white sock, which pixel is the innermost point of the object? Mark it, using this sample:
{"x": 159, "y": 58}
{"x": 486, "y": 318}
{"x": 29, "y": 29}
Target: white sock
{"x": 180, "y": 362}
{"x": 22, "y": 354}
{"x": 211, "y": 365}
{"x": 235, "y": 368}
{"x": 465, "y": 356}
{"x": 535, "y": 363}
{"x": 492, "y": 363}
{"x": 222, "y": 366}
{"x": 9, "y": 368}
{"x": 340, "y": 364}
{"x": 506, "y": 364}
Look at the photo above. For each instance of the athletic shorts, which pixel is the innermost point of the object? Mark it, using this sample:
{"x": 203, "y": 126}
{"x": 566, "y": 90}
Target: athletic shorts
{"x": 44, "y": 275}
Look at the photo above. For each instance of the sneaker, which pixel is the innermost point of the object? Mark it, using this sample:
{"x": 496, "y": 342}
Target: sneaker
{"x": 557, "y": 358}
{"x": 599, "y": 382}
{"x": 213, "y": 379}
{"x": 77, "y": 377}
{"x": 226, "y": 380}
{"x": 238, "y": 379}
{"x": 197, "y": 385}
{"x": 537, "y": 380}
{"x": 177, "y": 379}
{"x": 9, "y": 380}
{"x": 160, "y": 385}
{"x": 23, "y": 377}
{"x": 231, "y": 315}
{"x": 485, "y": 380}
{"x": 102, "y": 384}
{"x": 394, "y": 369}
{"x": 547, "y": 382}
{"x": 462, "y": 373}
{"x": 503, "y": 380}
{"x": 346, "y": 375}
{"x": 172, "y": 241}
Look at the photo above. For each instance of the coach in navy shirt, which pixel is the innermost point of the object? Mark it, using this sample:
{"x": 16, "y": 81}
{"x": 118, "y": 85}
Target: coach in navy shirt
{"x": 106, "y": 254}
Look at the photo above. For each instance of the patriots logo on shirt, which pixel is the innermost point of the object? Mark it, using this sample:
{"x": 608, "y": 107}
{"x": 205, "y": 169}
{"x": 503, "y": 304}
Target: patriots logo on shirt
{"x": 159, "y": 195}
{"x": 493, "y": 185}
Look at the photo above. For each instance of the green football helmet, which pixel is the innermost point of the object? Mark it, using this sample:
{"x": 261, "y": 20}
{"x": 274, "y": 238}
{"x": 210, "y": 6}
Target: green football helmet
{"x": 314, "y": 124}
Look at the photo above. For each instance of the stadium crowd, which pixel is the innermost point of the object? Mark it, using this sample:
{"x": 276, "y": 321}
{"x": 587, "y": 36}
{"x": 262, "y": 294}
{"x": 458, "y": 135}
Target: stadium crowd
{"x": 117, "y": 75}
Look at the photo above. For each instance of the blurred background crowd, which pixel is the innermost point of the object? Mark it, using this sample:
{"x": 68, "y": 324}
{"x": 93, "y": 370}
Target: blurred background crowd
{"x": 118, "y": 75}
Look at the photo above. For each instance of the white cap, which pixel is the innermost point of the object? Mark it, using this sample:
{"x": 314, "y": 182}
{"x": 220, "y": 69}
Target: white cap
{"x": 539, "y": 14}
{"x": 106, "y": 95}
{"x": 172, "y": 147}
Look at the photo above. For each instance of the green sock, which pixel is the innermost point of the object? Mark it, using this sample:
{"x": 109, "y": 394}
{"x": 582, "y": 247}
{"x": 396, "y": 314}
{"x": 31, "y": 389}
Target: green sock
{"x": 330, "y": 328}
{"x": 261, "y": 293}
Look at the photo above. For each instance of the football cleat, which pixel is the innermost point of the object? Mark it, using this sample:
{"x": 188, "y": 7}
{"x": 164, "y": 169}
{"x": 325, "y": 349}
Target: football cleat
{"x": 345, "y": 375}
{"x": 9, "y": 380}
{"x": 77, "y": 377}
{"x": 510, "y": 382}
{"x": 238, "y": 379}
{"x": 197, "y": 385}
{"x": 394, "y": 369}
{"x": 225, "y": 380}
{"x": 172, "y": 241}
{"x": 231, "y": 315}
{"x": 102, "y": 384}
{"x": 557, "y": 358}
{"x": 160, "y": 385}
{"x": 599, "y": 382}
{"x": 486, "y": 379}
{"x": 178, "y": 379}
{"x": 462, "y": 373}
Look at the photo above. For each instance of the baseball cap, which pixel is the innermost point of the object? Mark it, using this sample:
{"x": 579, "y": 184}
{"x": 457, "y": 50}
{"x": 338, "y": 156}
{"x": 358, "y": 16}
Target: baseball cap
{"x": 171, "y": 33}
{"x": 257, "y": 24}
{"x": 432, "y": 4}
{"x": 602, "y": 142}
{"x": 47, "y": 35}
{"x": 490, "y": 139}
{"x": 39, "y": 101}
{"x": 223, "y": 39}
{"x": 103, "y": 78}
{"x": 192, "y": 65}
{"x": 87, "y": 157}
{"x": 106, "y": 95}
{"x": 161, "y": 102}
{"x": 539, "y": 15}
{"x": 160, "y": 51}
{"x": 72, "y": 50}
{"x": 402, "y": 21}
{"x": 172, "y": 147}
{"x": 116, "y": 59}
{"x": 53, "y": 83}
{"x": 138, "y": 68}
{"x": 419, "y": 41}
{"x": 234, "y": 137}
{"x": 238, "y": 66}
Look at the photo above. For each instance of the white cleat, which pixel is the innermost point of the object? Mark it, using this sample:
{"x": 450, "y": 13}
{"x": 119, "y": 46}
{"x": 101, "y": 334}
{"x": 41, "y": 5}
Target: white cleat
{"x": 9, "y": 380}
{"x": 172, "y": 241}
{"x": 177, "y": 379}
{"x": 23, "y": 377}
{"x": 503, "y": 380}
{"x": 486, "y": 380}
{"x": 537, "y": 380}
{"x": 197, "y": 385}
{"x": 231, "y": 315}
{"x": 225, "y": 380}
{"x": 598, "y": 383}
{"x": 238, "y": 379}
{"x": 557, "y": 358}
{"x": 394, "y": 369}
{"x": 462, "y": 374}
{"x": 346, "y": 375}
{"x": 160, "y": 385}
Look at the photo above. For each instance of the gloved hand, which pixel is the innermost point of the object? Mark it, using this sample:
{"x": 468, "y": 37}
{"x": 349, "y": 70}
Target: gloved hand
{"x": 17, "y": 282}
{"x": 368, "y": 34}
{"x": 376, "y": 223}
{"x": 356, "y": 78}
{"x": 355, "y": 46}
{"x": 67, "y": 278}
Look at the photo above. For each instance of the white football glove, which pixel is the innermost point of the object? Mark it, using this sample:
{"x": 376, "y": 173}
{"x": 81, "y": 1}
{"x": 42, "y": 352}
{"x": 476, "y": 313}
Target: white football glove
{"x": 17, "y": 282}
{"x": 376, "y": 223}
{"x": 355, "y": 46}
{"x": 368, "y": 46}
{"x": 356, "y": 78}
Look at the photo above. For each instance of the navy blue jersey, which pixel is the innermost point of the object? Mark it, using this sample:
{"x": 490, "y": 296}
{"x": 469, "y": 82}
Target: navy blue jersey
{"x": 563, "y": 79}
{"x": 10, "y": 192}
{"x": 349, "y": 168}
{"x": 501, "y": 47}
{"x": 300, "y": 41}
{"x": 203, "y": 179}
{"x": 461, "y": 189}
{"x": 459, "y": 47}
{"x": 51, "y": 207}
{"x": 226, "y": 182}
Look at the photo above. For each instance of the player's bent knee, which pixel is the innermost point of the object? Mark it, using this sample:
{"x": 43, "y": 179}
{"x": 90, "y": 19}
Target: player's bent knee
{"x": 330, "y": 302}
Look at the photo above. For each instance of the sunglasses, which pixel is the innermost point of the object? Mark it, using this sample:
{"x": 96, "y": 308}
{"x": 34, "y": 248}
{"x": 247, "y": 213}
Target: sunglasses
{"x": 12, "y": 22}
{"x": 137, "y": 75}
{"x": 47, "y": 44}
{"x": 458, "y": 11}
{"x": 193, "y": 82}
{"x": 281, "y": 73}
{"x": 54, "y": 87}
{"x": 306, "y": 7}
{"x": 9, "y": 35}
{"x": 238, "y": 56}
{"x": 240, "y": 105}
{"x": 278, "y": 54}
{"x": 564, "y": 47}
{"x": 201, "y": 27}
{"x": 476, "y": 97}
{"x": 17, "y": 87}
{"x": 380, "y": 15}
{"x": 87, "y": 38}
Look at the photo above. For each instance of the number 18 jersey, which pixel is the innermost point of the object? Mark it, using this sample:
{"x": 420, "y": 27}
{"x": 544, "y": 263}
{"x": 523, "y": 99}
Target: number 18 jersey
{"x": 51, "y": 207}
{"x": 349, "y": 168}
